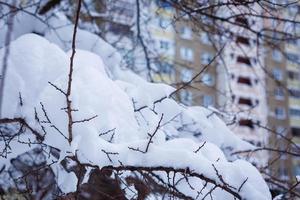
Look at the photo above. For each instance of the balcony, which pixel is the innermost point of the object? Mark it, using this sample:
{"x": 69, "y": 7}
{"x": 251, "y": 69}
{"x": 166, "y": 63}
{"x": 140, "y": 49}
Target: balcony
{"x": 246, "y": 123}
{"x": 244, "y": 60}
{"x": 243, "y": 40}
{"x": 242, "y": 21}
{"x": 244, "y": 81}
{"x": 245, "y": 101}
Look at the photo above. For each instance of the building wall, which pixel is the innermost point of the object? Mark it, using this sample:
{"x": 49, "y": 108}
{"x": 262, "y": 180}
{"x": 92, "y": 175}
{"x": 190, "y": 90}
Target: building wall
{"x": 284, "y": 74}
{"x": 255, "y": 85}
{"x": 162, "y": 36}
{"x": 193, "y": 53}
{"x": 243, "y": 80}
{"x": 293, "y": 89}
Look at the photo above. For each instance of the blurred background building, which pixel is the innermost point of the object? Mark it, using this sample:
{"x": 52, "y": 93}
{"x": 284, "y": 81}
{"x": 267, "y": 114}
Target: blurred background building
{"x": 258, "y": 85}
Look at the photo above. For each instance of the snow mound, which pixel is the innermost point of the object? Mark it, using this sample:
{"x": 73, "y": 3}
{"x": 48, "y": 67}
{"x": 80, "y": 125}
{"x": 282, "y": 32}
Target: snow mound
{"x": 117, "y": 116}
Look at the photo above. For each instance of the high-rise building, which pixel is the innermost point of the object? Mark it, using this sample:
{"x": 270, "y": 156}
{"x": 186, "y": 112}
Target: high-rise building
{"x": 159, "y": 36}
{"x": 194, "y": 51}
{"x": 292, "y": 73}
{"x": 259, "y": 84}
{"x": 277, "y": 98}
{"x": 241, "y": 82}
{"x": 114, "y": 21}
{"x": 282, "y": 64}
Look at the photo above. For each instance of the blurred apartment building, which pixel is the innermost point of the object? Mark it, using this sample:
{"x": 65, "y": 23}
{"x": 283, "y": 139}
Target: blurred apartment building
{"x": 258, "y": 84}
{"x": 292, "y": 74}
{"x": 282, "y": 63}
{"x": 233, "y": 83}
{"x": 114, "y": 21}
{"x": 158, "y": 34}
{"x": 242, "y": 79}
{"x": 194, "y": 50}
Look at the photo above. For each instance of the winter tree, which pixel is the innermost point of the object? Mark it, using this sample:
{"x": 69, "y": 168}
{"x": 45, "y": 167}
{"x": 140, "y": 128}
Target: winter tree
{"x": 76, "y": 123}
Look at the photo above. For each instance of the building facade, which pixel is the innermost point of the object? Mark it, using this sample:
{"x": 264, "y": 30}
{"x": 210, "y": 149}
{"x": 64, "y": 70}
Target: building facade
{"x": 258, "y": 85}
{"x": 194, "y": 51}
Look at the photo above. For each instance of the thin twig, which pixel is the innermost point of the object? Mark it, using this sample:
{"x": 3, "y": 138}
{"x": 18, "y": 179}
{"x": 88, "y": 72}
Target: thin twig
{"x": 70, "y": 77}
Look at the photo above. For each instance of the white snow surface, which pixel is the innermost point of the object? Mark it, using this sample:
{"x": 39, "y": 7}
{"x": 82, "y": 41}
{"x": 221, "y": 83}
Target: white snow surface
{"x": 102, "y": 90}
{"x": 34, "y": 62}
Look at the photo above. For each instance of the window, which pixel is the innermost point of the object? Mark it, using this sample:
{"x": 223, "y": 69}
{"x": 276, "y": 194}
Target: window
{"x": 244, "y": 60}
{"x": 245, "y": 101}
{"x": 242, "y": 40}
{"x": 164, "y": 23}
{"x": 280, "y": 130}
{"x": 186, "y": 97}
{"x": 206, "y": 19}
{"x": 276, "y": 55}
{"x": 123, "y": 8}
{"x": 296, "y": 169}
{"x": 280, "y": 113}
{"x": 294, "y": 112}
{"x": 293, "y": 10}
{"x": 208, "y": 100}
{"x": 186, "y": 75}
{"x": 275, "y": 23}
{"x": 277, "y": 74}
{"x": 282, "y": 169}
{"x": 297, "y": 28}
{"x": 186, "y": 33}
{"x": 164, "y": 45}
{"x": 294, "y": 58}
{"x": 297, "y": 41}
{"x": 246, "y": 123}
{"x": 205, "y": 38}
{"x": 279, "y": 93}
{"x": 242, "y": 21}
{"x": 166, "y": 68}
{"x": 295, "y": 132}
{"x": 294, "y": 93}
{"x": 186, "y": 53}
{"x": 255, "y": 143}
{"x": 206, "y": 58}
{"x": 244, "y": 80}
{"x": 274, "y": 3}
{"x": 293, "y": 75}
{"x": 275, "y": 36}
{"x": 282, "y": 147}
{"x": 118, "y": 28}
{"x": 184, "y": 15}
{"x": 163, "y": 4}
{"x": 207, "y": 79}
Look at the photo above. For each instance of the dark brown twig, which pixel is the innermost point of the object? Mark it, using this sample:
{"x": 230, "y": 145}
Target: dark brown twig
{"x": 70, "y": 77}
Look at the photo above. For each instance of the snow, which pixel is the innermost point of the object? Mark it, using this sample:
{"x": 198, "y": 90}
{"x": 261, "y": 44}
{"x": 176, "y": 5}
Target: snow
{"x": 67, "y": 181}
{"x": 125, "y": 110}
{"x": 94, "y": 93}
{"x": 278, "y": 197}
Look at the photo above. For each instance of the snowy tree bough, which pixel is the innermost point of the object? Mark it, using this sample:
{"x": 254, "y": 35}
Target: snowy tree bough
{"x": 22, "y": 122}
{"x": 69, "y": 108}
{"x": 47, "y": 69}
{"x": 155, "y": 155}
{"x": 186, "y": 171}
